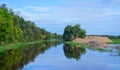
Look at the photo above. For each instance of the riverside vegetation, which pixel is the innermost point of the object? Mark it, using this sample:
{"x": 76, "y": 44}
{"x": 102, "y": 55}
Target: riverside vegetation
{"x": 76, "y": 36}
{"x": 15, "y": 29}
{"x": 24, "y": 46}
{"x": 72, "y": 32}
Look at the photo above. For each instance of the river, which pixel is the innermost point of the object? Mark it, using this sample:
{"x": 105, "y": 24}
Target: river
{"x": 47, "y": 56}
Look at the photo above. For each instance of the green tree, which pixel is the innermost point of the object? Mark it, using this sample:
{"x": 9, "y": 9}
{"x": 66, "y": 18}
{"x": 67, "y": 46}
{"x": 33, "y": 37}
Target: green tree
{"x": 13, "y": 28}
{"x": 76, "y": 29}
{"x": 82, "y": 33}
{"x": 6, "y": 26}
{"x": 68, "y": 33}
{"x": 72, "y": 32}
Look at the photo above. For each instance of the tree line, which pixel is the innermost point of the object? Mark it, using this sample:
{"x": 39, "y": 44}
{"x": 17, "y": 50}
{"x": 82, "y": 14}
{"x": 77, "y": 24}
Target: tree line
{"x": 14, "y": 28}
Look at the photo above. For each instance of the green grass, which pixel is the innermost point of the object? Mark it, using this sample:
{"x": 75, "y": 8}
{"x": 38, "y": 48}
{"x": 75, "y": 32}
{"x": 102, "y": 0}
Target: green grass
{"x": 18, "y": 45}
{"x": 52, "y": 40}
{"x": 115, "y": 41}
{"x": 74, "y": 44}
{"x": 71, "y": 43}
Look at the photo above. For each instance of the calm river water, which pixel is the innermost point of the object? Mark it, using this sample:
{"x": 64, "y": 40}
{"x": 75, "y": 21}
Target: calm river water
{"x": 58, "y": 57}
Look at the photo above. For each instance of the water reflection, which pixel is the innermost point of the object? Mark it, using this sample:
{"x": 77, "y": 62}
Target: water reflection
{"x": 15, "y": 59}
{"x": 115, "y": 49}
{"x": 73, "y": 51}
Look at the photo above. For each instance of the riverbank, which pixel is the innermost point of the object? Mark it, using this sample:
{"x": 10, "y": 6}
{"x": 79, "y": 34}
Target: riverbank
{"x": 115, "y": 41}
{"x": 75, "y": 44}
{"x": 21, "y": 44}
{"x": 80, "y": 43}
{"x": 95, "y": 41}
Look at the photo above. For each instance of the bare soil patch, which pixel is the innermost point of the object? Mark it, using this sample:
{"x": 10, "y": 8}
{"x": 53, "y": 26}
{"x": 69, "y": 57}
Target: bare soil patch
{"x": 95, "y": 41}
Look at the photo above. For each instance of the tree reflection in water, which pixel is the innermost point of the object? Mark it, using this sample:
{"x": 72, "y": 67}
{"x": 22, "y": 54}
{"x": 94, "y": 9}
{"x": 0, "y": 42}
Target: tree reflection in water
{"x": 73, "y": 51}
{"x": 15, "y": 59}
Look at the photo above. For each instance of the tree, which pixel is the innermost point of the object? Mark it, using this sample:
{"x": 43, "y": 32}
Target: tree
{"x": 72, "y": 32}
{"x": 76, "y": 29}
{"x": 68, "y": 33}
{"x": 13, "y": 28}
{"x": 82, "y": 33}
{"x": 6, "y": 26}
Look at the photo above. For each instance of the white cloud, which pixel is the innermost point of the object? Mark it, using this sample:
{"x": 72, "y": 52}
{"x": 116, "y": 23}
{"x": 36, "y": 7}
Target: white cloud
{"x": 97, "y": 15}
{"x": 111, "y": 12}
{"x": 39, "y": 9}
{"x": 81, "y": 11}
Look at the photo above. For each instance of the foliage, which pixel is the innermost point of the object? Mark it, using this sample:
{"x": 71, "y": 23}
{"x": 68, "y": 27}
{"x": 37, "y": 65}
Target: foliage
{"x": 115, "y": 41}
{"x": 82, "y": 33}
{"x": 72, "y": 32}
{"x": 7, "y": 29}
{"x": 19, "y": 45}
{"x": 13, "y": 28}
{"x": 68, "y": 33}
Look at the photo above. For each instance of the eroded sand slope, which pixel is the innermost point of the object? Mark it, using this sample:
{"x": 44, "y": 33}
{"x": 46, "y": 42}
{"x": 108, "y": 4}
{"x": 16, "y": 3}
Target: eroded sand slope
{"x": 95, "y": 41}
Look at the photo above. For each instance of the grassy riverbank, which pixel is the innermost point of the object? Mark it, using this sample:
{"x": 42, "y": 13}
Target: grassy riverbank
{"x": 18, "y": 45}
{"x": 115, "y": 41}
{"x": 75, "y": 44}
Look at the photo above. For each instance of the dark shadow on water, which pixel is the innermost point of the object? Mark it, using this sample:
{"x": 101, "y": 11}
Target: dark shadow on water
{"x": 73, "y": 51}
{"x": 15, "y": 59}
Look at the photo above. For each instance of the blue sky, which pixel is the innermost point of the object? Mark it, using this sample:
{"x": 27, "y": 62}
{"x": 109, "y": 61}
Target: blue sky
{"x": 95, "y": 16}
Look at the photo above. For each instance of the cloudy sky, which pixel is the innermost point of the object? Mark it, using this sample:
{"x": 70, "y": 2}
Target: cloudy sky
{"x": 95, "y": 16}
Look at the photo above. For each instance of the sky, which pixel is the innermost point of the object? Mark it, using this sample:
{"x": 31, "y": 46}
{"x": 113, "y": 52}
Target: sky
{"x": 98, "y": 17}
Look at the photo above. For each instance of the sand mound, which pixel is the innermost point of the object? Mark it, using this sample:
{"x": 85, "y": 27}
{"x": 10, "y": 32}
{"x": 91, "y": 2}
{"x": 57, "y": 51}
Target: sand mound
{"x": 96, "y": 41}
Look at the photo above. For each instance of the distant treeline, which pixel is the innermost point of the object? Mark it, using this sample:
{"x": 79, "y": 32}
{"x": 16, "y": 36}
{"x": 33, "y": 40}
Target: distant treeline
{"x": 14, "y": 28}
{"x": 109, "y": 36}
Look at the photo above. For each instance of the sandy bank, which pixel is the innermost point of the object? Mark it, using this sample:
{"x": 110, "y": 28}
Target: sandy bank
{"x": 95, "y": 41}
